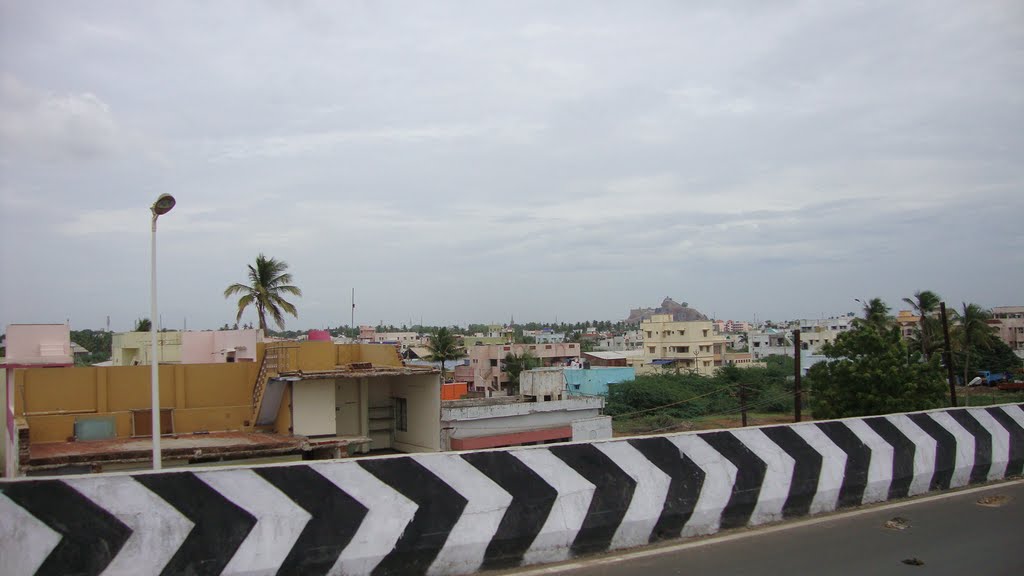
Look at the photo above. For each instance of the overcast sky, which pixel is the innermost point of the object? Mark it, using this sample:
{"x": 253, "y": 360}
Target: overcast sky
{"x": 470, "y": 161}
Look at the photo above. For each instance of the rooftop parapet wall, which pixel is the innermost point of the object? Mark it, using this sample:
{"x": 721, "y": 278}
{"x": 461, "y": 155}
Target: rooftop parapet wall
{"x": 456, "y": 513}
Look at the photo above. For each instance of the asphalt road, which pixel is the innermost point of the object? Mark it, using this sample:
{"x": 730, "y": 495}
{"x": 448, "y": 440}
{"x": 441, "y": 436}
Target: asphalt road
{"x": 950, "y": 535}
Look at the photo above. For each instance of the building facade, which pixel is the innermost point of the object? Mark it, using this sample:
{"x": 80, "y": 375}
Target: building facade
{"x": 692, "y": 346}
{"x": 516, "y": 421}
{"x": 133, "y": 348}
{"x": 630, "y": 340}
{"x": 358, "y": 397}
{"x": 488, "y": 361}
{"x": 1009, "y": 320}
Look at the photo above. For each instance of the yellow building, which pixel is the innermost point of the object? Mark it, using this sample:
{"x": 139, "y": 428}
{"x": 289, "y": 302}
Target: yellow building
{"x": 298, "y": 398}
{"x": 133, "y": 348}
{"x": 689, "y": 346}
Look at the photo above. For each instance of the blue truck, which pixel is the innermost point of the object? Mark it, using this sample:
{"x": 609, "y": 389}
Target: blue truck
{"x": 992, "y": 378}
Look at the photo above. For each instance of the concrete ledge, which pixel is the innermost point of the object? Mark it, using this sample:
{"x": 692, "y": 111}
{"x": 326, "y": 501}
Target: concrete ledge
{"x": 458, "y": 513}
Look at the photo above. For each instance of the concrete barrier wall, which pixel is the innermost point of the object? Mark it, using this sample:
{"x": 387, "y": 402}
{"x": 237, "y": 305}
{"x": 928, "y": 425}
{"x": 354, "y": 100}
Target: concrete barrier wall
{"x": 456, "y": 513}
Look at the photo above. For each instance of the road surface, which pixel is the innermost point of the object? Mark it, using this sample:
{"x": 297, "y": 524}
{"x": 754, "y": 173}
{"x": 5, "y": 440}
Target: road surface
{"x": 949, "y": 533}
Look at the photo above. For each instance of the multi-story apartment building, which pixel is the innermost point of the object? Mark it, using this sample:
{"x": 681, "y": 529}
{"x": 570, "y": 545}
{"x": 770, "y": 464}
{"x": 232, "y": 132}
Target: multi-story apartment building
{"x": 404, "y": 340}
{"x": 488, "y": 361}
{"x": 545, "y": 336}
{"x": 814, "y": 333}
{"x": 1009, "y": 320}
{"x": 686, "y": 345}
{"x": 732, "y": 326}
{"x": 630, "y": 340}
{"x": 769, "y": 342}
{"x": 909, "y": 323}
{"x": 737, "y": 326}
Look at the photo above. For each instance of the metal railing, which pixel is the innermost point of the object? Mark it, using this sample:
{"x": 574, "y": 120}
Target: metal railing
{"x": 276, "y": 360}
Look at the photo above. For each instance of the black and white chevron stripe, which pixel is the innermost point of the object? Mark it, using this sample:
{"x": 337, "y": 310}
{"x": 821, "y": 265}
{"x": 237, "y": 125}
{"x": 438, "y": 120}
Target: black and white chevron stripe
{"x": 457, "y": 513}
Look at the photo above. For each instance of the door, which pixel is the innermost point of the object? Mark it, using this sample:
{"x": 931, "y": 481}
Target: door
{"x": 313, "y": 407}
{"x": 142, "y": 422}
{"x": 346, "y": 397}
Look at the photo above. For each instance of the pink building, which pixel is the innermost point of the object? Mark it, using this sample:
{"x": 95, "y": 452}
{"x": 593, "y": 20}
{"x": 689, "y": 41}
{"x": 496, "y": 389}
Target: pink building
{"x": 1009, "y": 321}
{"x": 29, "y": 346}
{"x": 487, "y": 361}
{"x": 39, "y": 344}
{"x": 217, "y": 346}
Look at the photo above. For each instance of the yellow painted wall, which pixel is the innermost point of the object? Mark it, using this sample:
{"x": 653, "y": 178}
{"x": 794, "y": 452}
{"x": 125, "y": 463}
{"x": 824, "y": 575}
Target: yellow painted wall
{"x": 205, "y": 397}
{"x": 129, "y": 347}
{"x": 283, "y": 425}
{"x": 378, "y": 354}
{"x": 320, "y": 356}
{"x": 316, "y": 356}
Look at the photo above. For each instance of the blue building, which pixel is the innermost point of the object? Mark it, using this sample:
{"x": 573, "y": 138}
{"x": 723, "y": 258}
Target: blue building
{"x": 595, "y": 381}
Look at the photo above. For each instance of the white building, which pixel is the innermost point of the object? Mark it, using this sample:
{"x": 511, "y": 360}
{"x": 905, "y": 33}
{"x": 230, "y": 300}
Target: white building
{"x": 631, "y": 340}
{"x": 770, "y": 342}
{"x": 479, "y": 423}
{"x": 402, "y": 339}
{"x": 814, "y": 333}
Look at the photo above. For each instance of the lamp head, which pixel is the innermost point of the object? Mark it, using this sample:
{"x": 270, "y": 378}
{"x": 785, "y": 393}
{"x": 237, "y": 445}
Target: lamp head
{"x": 163, "y": 205}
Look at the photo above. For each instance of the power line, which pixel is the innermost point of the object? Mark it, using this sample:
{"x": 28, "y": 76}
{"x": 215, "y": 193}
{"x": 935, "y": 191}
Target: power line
{"x": 730, "y": 412}
{"x": 677, "y": 402}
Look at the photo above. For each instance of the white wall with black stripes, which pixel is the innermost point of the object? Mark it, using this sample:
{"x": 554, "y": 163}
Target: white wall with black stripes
{"x": 458, "y": 513}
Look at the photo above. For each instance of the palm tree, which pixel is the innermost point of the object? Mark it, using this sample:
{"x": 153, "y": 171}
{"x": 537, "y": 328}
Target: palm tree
{"x": 143, "y": 325}
{"x": 876, "y": 313}
{"x": 516, "y": 364}
{"x": 924, "y": 304}
{"x": 444, "y": 346}
{"x": 268, "y": 280}
{"x": 972, "y": 332}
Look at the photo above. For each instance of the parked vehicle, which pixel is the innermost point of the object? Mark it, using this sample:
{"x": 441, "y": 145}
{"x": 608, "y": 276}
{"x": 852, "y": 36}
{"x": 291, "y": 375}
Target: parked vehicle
{"x": 992, "y": 378}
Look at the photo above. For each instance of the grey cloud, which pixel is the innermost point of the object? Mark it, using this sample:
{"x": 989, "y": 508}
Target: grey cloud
{"x": 471, "y": 161}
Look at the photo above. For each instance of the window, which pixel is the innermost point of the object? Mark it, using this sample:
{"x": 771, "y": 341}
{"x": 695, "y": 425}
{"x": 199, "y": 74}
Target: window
{"x": 648, "y": 333}
{"x": 494, "y": 361}
{"x": 682, "y": 332}
{"x": 651, "y": 349}
{"x": 547, "y": 347}
{"x": 401, "y": 414}
{"x": 705, "y": 333}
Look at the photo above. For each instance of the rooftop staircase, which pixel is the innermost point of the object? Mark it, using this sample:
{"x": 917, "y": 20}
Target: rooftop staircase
{"x": 268, "y": 392}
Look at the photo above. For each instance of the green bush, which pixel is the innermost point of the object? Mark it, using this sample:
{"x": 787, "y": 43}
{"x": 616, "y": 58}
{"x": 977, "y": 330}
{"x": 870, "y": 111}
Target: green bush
{"x": 687, "y": 396}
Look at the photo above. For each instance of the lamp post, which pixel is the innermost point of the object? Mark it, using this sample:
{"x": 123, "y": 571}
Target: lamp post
{"x": 162, "y": 206}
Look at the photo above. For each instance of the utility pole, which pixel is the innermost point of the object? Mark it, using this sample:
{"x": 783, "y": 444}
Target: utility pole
{"x": 948, "y": 355}
{"x": 797, "y": 392}
{"x": 352, "y": 322}
{"x": 743, "y": 404}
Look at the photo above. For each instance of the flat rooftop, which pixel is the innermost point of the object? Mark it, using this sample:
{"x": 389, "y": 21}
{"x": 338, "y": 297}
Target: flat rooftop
{"x": 492, "y": 401}
{"x": 204, "y": 447}
{"x": 362, "y": 371}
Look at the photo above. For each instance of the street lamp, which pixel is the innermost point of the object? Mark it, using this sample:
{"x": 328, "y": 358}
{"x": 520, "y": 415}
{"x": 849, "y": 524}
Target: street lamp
{"x": 162, "y": 206}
